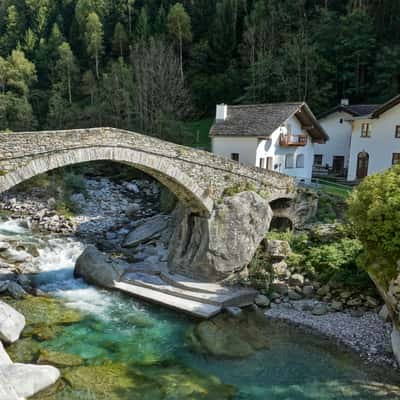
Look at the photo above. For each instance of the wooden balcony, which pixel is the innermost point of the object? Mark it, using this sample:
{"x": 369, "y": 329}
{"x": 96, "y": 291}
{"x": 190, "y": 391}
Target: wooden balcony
{"x": 292, "y": 140}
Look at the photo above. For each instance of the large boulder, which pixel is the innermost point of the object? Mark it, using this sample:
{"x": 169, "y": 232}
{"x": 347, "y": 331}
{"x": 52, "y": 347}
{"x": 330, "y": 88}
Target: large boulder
{"x": 27, "y": 379}
{"x": 11, "y": 323}
{"x": 227, "y": 336}
{"x": 223, "y": 245}
{"x": 96, "y": 268}
{"x": 151, "y": 228}
{"x": 4, "y": 357}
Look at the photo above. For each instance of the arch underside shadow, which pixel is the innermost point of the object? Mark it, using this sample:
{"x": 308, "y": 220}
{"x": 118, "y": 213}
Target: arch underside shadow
{"x": 163, "y": 170}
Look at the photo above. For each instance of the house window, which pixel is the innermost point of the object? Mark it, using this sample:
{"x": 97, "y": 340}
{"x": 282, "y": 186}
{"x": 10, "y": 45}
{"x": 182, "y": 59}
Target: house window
{"x": 341, "y": 120}
{"x": 262, "y": 162}
{"x": 318, "y": 159}
{"x": 365, "y": 130}
{"x": 395, "y": 158}
{"x": 300, "y": 161}
{"x": 235, "y": 156}
{"x": 289, "y": 161}
{"x": 397, "y": 132}
{"x": 270, "y": 163}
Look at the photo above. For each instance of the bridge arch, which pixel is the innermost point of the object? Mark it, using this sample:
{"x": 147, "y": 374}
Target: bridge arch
{"x": 178, "y": 182}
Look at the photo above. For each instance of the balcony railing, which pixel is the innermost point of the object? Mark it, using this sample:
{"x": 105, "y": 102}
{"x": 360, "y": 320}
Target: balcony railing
{"x": 292, "y": 140}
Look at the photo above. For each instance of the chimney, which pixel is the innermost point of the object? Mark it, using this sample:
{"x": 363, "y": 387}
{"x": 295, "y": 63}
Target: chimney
{"x": 222, "y": 112}
{"x": 344, "y": 102}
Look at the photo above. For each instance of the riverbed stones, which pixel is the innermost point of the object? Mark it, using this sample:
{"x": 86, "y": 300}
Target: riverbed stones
{"x": 320, "y": 309}
{"x": 149, "y": 229}
{"x": 278, "y": 249}
{"x": 337, "y": 305}
{"x": 296, "y": 280}
{"x": 262, "y": 301}
{"x": 96, "y": 268}
{"x": 225, "y": 336}
{"x": 11, "y": 323}
{"x": 59, "y": 359}
{"x": 294, "y": 295}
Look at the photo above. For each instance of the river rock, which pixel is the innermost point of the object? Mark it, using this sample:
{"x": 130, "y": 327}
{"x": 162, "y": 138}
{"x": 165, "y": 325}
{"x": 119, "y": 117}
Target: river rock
{"x": 78, "y": 199}
{"x": 4, "y": 357}
{"x": 132, "y": 209}
{"x": 225, "y": 336}
{"x": 16, "y": 291}
{"x": 278, "y": 249}
{"x": 293, "y": 295}
{"x": 4, "y": 246}
{"x": 323, "y": 290}
{"x": 296, "y": 280}
{"x": 27, "y": 379}
{"x": 11, "y": 323}
{"x": 262, "y": 301}
{"x": 58, "y": 359}
{"x": 337, "y": 305}
{"x": 320, "y": 309}
{"x": 96, "y": 268}
{"x": 222, "y": 246}
{"x": 308, "y": 291}
{"x": 149, "y": 229}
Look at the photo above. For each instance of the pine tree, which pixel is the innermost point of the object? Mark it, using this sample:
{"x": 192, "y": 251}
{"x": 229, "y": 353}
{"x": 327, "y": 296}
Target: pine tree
{"x": 94, "y": 39}
{"x": 179, "y": 27}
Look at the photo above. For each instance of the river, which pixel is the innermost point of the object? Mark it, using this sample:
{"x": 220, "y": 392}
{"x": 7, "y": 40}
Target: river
{"x": 142, "y": 352}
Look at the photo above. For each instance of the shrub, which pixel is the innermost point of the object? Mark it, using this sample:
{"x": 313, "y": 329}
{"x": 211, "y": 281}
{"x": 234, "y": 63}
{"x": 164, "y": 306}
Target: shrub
{"x": 374, "y": 212}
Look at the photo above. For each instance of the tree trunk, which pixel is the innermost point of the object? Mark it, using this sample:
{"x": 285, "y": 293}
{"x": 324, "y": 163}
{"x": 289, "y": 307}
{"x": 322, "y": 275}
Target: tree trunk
{"x": 97, "y": 65}
{"x": 181, "y": 55}
{"x": 69, "y": 85}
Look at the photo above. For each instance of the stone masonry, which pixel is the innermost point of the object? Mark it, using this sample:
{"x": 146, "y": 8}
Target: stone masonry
{"x": 199, "y": 179}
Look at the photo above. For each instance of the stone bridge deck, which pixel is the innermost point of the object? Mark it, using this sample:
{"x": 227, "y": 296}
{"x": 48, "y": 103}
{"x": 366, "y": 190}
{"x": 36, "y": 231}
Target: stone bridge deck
{"x": 198, "y": 178}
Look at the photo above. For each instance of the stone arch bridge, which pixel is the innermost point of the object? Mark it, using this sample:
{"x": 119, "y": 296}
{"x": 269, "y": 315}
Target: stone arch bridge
{"x": 225, "y": 205}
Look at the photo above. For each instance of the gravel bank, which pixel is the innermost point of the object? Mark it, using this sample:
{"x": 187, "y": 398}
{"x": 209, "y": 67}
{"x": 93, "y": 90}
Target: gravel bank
{"x": 368, "y": 335}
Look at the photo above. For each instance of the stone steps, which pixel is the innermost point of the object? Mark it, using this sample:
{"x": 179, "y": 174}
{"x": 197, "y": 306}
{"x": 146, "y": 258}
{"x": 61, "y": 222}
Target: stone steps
{"x": 230, "y": 297}
{"x": 194, "y": 308}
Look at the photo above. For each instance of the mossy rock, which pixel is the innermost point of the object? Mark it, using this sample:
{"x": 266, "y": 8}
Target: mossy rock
{"x": 113, "y": 382}
{"x": 24, "y": 350}
{"x": 179, "y": 382}
{"x": 59, "y": 359}
{"x": 54, "y": 392}
{"x": 45, "y": 311}
{"x": 42, "y": 332}
{"x": 225, "y": 336}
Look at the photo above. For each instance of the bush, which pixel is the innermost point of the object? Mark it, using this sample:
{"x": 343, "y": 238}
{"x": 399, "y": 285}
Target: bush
{"x": 374, "y": 212}
{"x": 333, "y": 260}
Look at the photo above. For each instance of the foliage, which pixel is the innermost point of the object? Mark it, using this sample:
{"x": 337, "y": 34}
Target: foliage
{"x": 332, "y": 260}
{"x": 374, "y": 213}
{"x": 60, "y": 60}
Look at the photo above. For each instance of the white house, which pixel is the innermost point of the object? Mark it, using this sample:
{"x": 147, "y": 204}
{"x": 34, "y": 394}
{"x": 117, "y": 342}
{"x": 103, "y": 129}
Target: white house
{"x": 279, "y": 137}
{"x": 337, "y": 123}
{"x": 375, "y": 140}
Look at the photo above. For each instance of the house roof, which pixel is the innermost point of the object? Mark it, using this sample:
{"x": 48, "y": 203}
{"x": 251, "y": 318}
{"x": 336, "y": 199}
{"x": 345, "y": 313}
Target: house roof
{"x": 386, "y": 106}
{"x": 263, "y": 119}
{"x": 355, "y": 110}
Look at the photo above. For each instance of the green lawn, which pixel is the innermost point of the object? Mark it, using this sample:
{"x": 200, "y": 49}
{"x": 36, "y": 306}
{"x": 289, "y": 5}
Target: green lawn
{"x": 199, "y": 131}
{"x": 335, "y": 189}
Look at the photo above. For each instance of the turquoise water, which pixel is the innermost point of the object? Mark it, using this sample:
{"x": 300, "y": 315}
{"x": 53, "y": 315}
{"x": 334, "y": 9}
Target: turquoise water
{"x": 145, "y": 348}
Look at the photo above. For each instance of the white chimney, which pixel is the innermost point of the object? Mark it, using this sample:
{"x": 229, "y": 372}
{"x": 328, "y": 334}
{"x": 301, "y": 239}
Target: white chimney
{"x": 344, "y": 102}
{"x": 222, "y": 112}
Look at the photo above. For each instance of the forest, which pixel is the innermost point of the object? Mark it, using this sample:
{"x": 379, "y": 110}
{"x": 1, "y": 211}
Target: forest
{"x": 153, "y": 65}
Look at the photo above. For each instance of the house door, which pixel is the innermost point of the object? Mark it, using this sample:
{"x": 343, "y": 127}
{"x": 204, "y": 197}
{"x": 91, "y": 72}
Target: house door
{"x": 338, "y": 164}
{"x": 362, "y": 165}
